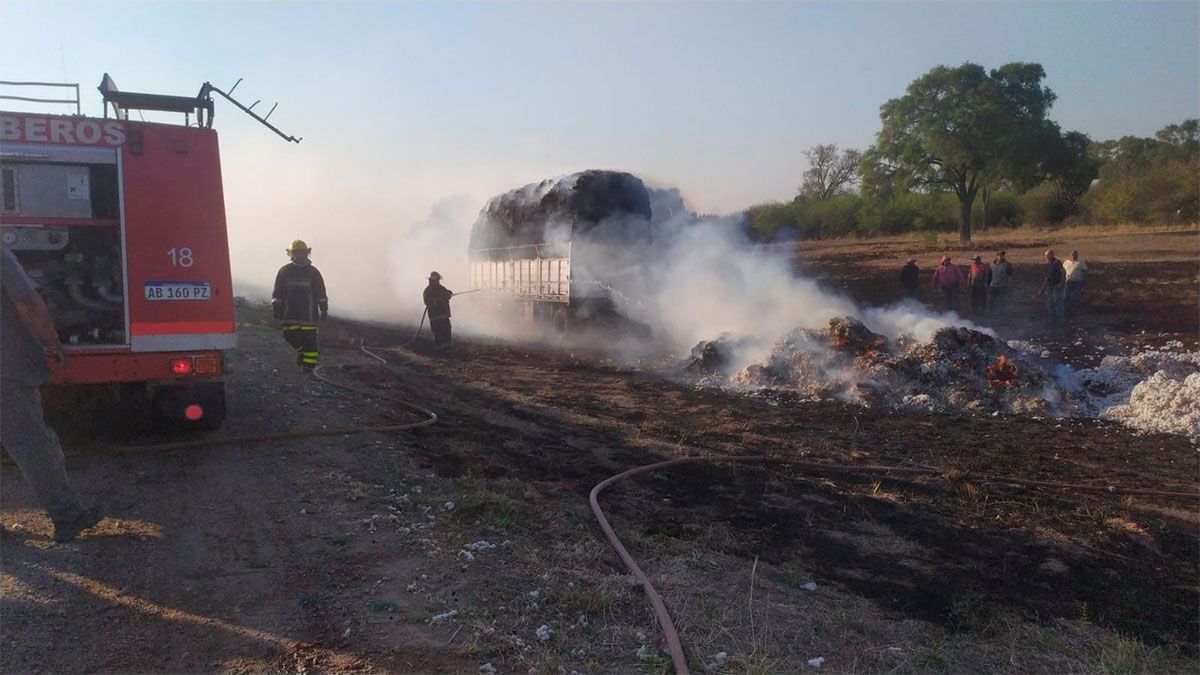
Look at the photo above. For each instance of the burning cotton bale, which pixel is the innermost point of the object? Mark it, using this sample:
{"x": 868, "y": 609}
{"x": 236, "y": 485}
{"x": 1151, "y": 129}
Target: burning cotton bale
{"x": 849, "y": 335}
{"x": 1002, "y": 373}
{"x": 964, "y": 368}
{"x": 957, "y": 369}
{"x": 601, "y": 206}
{"x": 819, "y": 364}
{"x": 712, "y": 356}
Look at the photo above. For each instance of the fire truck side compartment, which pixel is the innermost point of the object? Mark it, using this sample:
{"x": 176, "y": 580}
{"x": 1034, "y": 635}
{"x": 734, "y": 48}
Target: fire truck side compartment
{"x": 78, "y": 266}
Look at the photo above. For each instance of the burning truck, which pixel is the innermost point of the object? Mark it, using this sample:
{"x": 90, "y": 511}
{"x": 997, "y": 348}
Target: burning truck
{"x": 565, "y": 250}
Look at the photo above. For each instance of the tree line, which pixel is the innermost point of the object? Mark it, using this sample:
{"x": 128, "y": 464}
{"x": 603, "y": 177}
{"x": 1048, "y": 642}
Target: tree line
{"x": 965, "y": 147}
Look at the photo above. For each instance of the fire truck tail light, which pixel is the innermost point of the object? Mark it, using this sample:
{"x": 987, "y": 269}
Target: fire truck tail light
{"x": 181, "y": 366}
{"x": 206, "y": 365}
{"x": 193, "y": 412}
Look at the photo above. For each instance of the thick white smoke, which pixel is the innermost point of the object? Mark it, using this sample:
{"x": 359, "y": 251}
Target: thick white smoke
{"x": 439, "y": 243}
{"x": 435, "y": 243}
{"x": 705, "y": 279}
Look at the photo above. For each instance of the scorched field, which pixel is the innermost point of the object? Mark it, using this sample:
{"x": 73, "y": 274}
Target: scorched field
{"x": 469, "y": 545}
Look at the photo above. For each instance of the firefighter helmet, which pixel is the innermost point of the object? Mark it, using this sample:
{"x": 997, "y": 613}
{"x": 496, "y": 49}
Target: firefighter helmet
{"x": 299, "y": 245}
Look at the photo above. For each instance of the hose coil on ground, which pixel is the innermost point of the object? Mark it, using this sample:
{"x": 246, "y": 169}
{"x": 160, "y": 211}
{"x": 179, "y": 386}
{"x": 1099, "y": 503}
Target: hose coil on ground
{"x": 430, "y": 418}
{"x": 671, "y": 635}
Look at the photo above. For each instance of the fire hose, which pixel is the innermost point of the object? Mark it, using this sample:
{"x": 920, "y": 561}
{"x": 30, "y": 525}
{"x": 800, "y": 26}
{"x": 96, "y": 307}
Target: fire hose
{"x": 320, "y": 373}
{"x": 671, "y": 635}
{"x": 421, "y": 324}
{"x": 425, "y": 313}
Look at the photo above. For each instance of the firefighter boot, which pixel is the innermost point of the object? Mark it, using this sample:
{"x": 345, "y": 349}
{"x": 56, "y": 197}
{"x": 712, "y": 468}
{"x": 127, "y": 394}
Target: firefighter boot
{"x": 307, "y": 351}
{"x": 304, "y": 340}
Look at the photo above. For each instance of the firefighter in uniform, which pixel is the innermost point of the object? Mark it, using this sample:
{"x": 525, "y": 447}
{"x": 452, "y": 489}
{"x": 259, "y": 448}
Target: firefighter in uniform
{"x": 437, "y": 303}
{"x": 299, "y": 302}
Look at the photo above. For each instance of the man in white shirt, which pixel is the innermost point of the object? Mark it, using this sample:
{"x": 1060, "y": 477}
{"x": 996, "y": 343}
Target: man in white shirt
{"x": 1002, "y": 271}
{"x": 1074, "y": 269}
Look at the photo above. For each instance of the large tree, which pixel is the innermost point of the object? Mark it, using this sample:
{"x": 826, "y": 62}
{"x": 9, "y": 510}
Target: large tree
{"x": 830, "y": 171}
{"x": 1070, "y": 167}
{"x": 962, "y": 129}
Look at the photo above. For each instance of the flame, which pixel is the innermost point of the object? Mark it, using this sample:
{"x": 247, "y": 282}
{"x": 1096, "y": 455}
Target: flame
{"x": 1002, "y": 373}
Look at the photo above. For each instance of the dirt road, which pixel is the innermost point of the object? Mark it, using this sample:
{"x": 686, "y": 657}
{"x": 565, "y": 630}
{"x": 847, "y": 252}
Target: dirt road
{"x": 237, "y": 559}
{"x": 470, "y": 543}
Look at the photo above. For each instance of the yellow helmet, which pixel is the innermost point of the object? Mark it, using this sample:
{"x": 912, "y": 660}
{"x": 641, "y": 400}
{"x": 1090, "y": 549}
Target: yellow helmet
{"x": 299, "y": 245}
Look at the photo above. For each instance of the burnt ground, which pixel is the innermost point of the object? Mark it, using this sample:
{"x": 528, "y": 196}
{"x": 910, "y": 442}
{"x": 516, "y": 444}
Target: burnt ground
{"x": 1131, "y": 563}
{"x": 338, "y": 553}
{"x": 1142, "y": 288}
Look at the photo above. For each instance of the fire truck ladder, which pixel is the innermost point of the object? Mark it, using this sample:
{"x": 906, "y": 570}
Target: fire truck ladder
{"x": 208, "y": 87}
{"x": 200, "y": 105}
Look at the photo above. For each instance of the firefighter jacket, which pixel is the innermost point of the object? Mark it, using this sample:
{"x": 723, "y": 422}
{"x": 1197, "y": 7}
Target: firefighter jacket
{"x": 299, "y": 295}
{"x": 437, "y": 301}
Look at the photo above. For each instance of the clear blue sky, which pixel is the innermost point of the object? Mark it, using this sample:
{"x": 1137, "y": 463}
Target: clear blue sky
{"x": 403, "y": 105}
{"x": 718, "y": 98}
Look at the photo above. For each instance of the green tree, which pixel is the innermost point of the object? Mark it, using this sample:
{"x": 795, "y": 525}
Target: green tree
{"x": 830, "y": 171}
{"x": 1070, "y": 167}
{"x": 962, "y": 129}
{"x": 1149, "y": 180}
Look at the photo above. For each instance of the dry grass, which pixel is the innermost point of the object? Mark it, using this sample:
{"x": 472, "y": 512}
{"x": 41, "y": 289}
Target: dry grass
{"x": 1024, "y": 244}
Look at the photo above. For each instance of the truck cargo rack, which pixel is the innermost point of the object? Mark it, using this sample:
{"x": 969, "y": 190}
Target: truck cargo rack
{"x": 527, "y": 272}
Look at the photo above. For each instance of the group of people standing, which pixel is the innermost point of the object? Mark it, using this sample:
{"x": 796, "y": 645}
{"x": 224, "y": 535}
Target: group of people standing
{"x": 989, "y": 283}
{"x": 1062, "y": 285}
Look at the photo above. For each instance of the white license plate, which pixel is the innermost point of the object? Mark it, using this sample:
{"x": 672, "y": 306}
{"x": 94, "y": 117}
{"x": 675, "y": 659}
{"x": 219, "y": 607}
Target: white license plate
{"x": 174, "y": 290}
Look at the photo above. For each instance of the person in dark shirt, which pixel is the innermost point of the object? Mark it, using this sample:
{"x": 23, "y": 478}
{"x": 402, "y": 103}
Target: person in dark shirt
{"x": 910, "y": 276}
{"x": 1053, "y": 287}
{"x": 437, "y": 303}
{"x": 299, "y": 302}
{"x": 27, "y": 338}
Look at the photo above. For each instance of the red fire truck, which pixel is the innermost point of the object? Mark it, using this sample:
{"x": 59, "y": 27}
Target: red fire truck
{"x": 122, "y": 224}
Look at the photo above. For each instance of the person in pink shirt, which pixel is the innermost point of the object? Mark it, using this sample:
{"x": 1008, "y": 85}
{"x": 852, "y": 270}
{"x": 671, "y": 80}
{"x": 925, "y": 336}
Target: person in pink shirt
{"x": 979, "y": 278}
{"x": 947, "y": 278}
